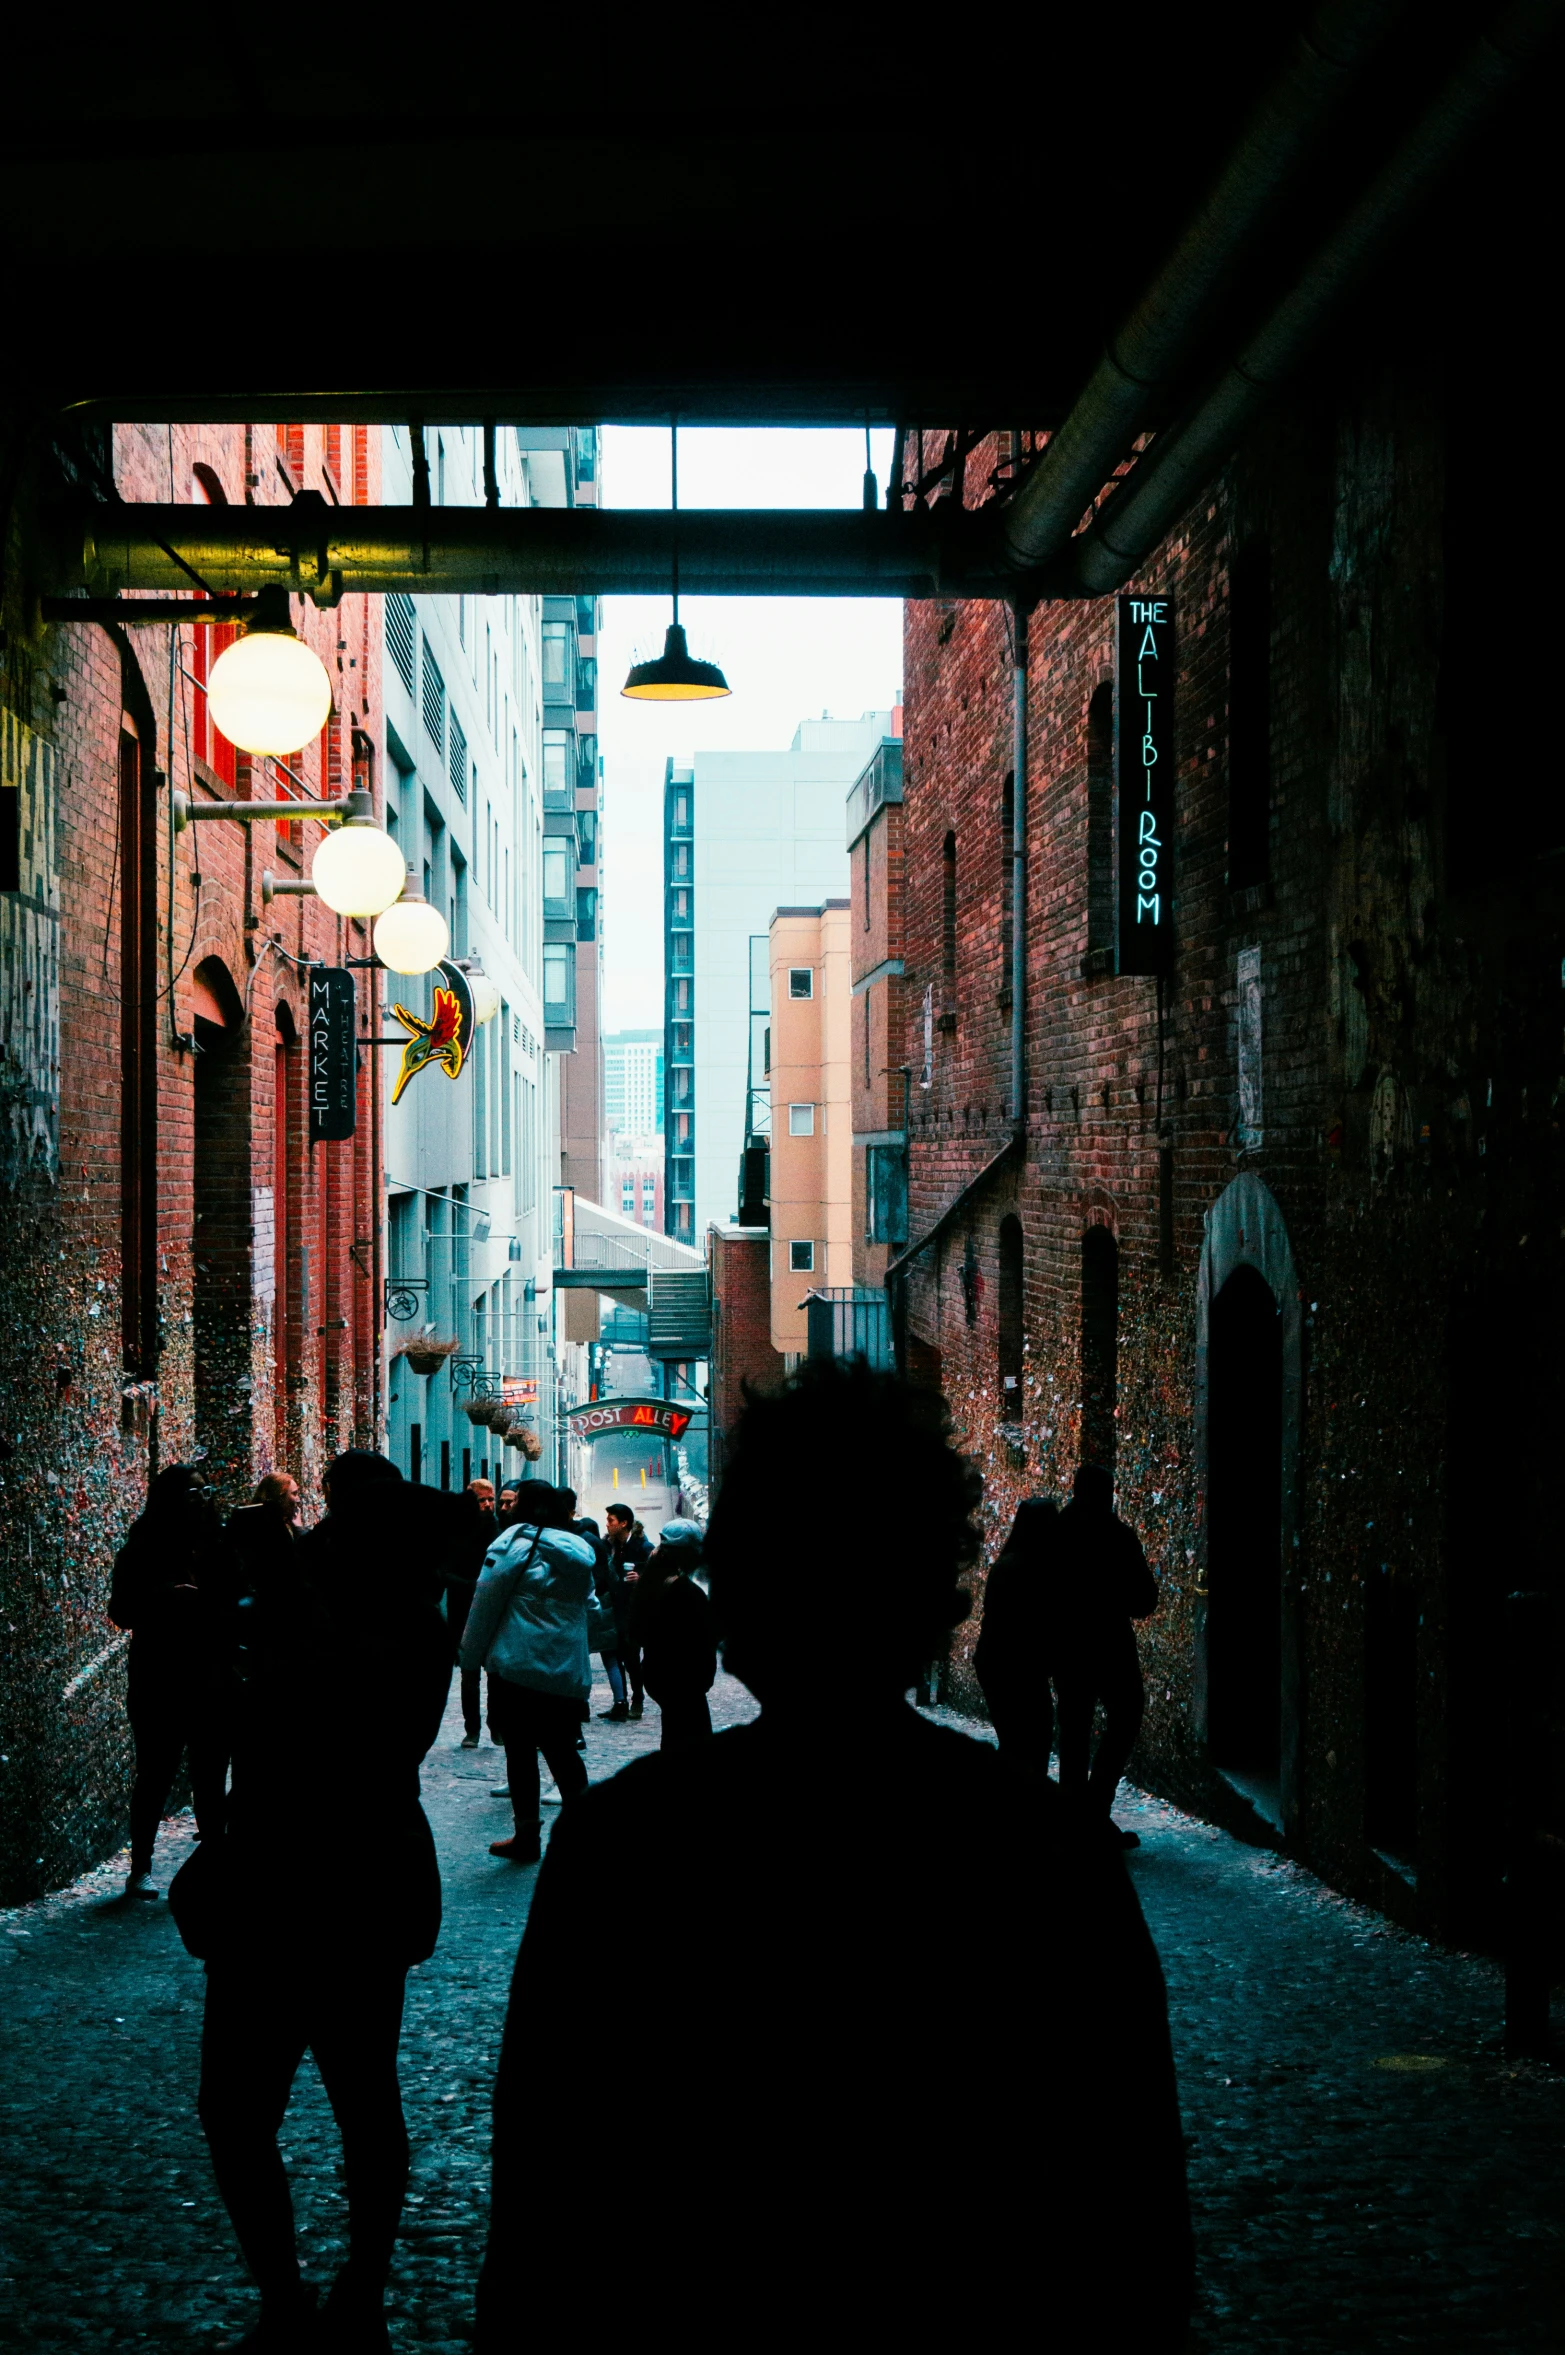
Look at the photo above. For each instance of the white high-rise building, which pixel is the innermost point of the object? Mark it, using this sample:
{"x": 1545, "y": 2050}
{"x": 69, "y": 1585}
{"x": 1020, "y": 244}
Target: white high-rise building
{"x": 473, "y": 1164}
{"x": 633, "y": 1083}
{"x": 745, "y": 833}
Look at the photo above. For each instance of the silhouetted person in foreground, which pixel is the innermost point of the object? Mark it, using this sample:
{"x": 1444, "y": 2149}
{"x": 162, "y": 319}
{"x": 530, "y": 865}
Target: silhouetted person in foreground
{"x": 308, "y": 1939}
{"x": 262, "y": 1536}
{"x": 528, "y": 1627}
{"x": 476, "y": 1529}
{"x": 903, "y": 2044}
{"x": 174, "y": 1589}
{"x": 671, "y": 1622}
{"x": 1011, "y": 1659}
{"x": 1101, "y": 1584}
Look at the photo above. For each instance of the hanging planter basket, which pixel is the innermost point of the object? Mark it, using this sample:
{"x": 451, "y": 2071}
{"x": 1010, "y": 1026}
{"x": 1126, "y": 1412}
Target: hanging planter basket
{"x": 476, "y": 1409}
{"x": 426, "y": 1355}
{"x": 499, "y": 1414}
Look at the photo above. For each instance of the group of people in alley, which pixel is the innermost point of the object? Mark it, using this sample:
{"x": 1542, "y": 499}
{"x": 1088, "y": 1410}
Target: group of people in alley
{"x": 837, "y": 1926}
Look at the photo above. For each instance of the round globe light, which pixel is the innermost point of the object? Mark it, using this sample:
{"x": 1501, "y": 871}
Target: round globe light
{"x": 269, "y": 692}
{"x": 358, "y": 870}
{"x": 486, "y": 997}
{"x": 411, "y": 937}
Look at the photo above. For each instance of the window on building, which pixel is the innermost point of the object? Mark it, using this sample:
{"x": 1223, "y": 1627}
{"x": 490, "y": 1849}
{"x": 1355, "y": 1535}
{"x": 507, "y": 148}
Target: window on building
{"x": 801, "y": 981}
{"x": 801, "y": 1120}
{"x": 433, "y": 700}
{"x": 948, "y": 918}
{"x": 885, "y": 1173}
{"x": 290, "y": 455}
{"x": 801, "y": 1258}
{"x": 556, "y": 875}
{"x": 1100, "y": 822}
{"x": 556, "y": 653}
{"x": 559, "y": 974}
{"x": 1249, "y": 716}
{"x": 681, "y": 812}
{"x": 587, "y": 838}
{"x": 361, "y": 466}
{"x": 458, "y": 759}
{"x": 557, "y": 790}
{"x": 402, "y": 636}
{"x": 586, "y": 911}
{"x": 1012, "y": 1309}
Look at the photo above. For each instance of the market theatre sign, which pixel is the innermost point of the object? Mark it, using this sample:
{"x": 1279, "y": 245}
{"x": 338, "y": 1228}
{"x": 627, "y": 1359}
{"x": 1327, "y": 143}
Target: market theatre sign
{"x": 654, "y": 1415}
{"x": 1147, "y": 670}
{"x": 334, "y": 1055}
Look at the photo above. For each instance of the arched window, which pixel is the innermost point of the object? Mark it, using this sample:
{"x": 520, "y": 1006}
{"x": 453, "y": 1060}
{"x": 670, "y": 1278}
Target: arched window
{"x": 948, "y": 922}
{"x": 1249, "y": 715}
{"x": 1007, "y": 876}
{"x": 1012, "y": 1317}
{"x": 1100, "y": 828}
{"x": 1099, "y": 1344}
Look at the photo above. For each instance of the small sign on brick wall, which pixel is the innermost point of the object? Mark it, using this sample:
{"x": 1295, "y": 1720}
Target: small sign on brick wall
{"x": 1148, "y": 668}
{"x": 334, "y": 1089}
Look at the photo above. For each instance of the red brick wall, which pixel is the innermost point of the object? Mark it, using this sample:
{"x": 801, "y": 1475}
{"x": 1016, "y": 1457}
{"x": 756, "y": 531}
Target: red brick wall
{"x": 1404, "y": 1015}
{"x": 81, "y": 1434}
{"x": 741, "y": 1329}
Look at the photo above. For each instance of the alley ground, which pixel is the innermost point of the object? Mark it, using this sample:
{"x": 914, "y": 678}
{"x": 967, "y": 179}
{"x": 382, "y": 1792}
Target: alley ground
{"x": 1368, "y": 2171}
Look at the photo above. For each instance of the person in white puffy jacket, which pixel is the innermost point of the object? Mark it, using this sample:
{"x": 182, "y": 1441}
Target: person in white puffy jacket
{"x": 527, "y": 1626}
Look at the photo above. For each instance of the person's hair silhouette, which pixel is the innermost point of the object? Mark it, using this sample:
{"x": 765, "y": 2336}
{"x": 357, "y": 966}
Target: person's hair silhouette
{"x": 861, "y": 1953}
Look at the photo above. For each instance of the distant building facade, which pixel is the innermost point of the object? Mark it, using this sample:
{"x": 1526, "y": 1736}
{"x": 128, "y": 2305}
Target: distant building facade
{"x": 810, "y": 1178}
{"x": 633, "y": 1083}
{"x": 744, "y": 833}
{"x": 879, "y": 1054}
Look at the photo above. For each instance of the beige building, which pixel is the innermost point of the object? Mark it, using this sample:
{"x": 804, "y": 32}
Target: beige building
{"x": 811, "y": 1167}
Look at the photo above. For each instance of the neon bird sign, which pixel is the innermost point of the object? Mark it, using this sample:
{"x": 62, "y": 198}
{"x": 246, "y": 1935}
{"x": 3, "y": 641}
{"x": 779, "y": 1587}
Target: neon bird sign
{"x": 1147, "y": 670}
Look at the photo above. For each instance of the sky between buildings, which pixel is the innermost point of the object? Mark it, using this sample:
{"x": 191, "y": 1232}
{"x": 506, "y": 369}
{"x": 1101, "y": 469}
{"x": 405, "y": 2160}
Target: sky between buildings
{"x": 786, "y": 658}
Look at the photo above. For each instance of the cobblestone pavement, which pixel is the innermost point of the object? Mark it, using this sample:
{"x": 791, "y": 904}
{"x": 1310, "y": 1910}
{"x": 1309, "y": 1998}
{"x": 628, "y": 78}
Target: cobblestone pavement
{"x": 1368, "y": 2172}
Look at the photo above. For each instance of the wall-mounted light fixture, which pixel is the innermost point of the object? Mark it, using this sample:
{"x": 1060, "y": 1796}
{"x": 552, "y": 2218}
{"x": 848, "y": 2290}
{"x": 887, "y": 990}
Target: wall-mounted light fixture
{"x": 486, "y": 993}
{"x": 411, "y": 936}
{"x": 269, "y": 692}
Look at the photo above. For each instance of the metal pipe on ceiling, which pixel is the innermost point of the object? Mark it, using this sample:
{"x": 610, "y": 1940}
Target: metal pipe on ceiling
{"x": 1159, "y": 337}
{"x": 325, "y": 551}
{"x": 1181, "y": 462}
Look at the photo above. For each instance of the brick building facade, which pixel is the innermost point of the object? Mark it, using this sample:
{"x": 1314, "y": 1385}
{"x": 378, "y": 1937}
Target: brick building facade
{"x": 183, "y": 1271}
{"x": 1278, "y": 1236}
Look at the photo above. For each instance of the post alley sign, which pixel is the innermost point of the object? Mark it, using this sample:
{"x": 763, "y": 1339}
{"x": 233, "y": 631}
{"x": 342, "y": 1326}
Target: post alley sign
{"x": 334, "y": 1054}
{"x": 656, "y": 1416}
{"x": 1148, "y": 667}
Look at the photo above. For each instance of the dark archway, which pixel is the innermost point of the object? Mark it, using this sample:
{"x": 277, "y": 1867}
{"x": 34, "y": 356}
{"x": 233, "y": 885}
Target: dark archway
{"x": 1012, "y": 1305}
{"x": 1244, "y": 1537}
{"x": 1099, "y": 1345}
{"x": 221, "y": 1178}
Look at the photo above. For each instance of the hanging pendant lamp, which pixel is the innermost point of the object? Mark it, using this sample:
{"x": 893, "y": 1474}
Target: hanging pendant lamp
{"x": 675, "y": 677}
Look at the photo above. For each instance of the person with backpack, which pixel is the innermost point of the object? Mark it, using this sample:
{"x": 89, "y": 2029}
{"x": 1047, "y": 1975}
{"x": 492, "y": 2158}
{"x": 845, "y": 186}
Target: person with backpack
{"x": 527, "y": 1626}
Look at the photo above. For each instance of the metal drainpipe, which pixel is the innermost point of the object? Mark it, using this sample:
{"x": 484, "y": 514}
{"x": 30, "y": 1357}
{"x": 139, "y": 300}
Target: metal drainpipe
{"x": 1019, "y": 868}
{"x": 1182, "y": 462}
{"x": 1158, "y": 337}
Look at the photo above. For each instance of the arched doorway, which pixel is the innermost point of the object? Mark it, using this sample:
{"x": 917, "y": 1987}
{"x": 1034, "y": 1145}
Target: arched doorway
{"x": 221, "y": 1292}
{"x": 1244, "y": 1537}
{"x": 1249, "y": 1396}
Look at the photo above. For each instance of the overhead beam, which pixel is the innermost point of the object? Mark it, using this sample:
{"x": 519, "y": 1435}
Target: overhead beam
{"x": 322, "y": 552}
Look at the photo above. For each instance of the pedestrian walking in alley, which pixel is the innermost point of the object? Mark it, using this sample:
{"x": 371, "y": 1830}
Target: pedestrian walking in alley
{"x": 868, "y": 1950}
{"x": 1101, "y": 1584}
{"x": 262, "y": 1536}
{"x": 174, "y": 1588}
{"x": 476, "y": 1530}
{"x": 673, "y": 1630}
{"x": 528, "y": 1628}
{"x": 1012, "y": 1660}
{"x": 316, "y": 1958}
{"x": 629, "y": 1551}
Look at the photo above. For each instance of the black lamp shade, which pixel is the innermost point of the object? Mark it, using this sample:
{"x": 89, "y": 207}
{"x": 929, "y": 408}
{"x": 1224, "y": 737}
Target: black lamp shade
{"x": 674, "y": 677}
